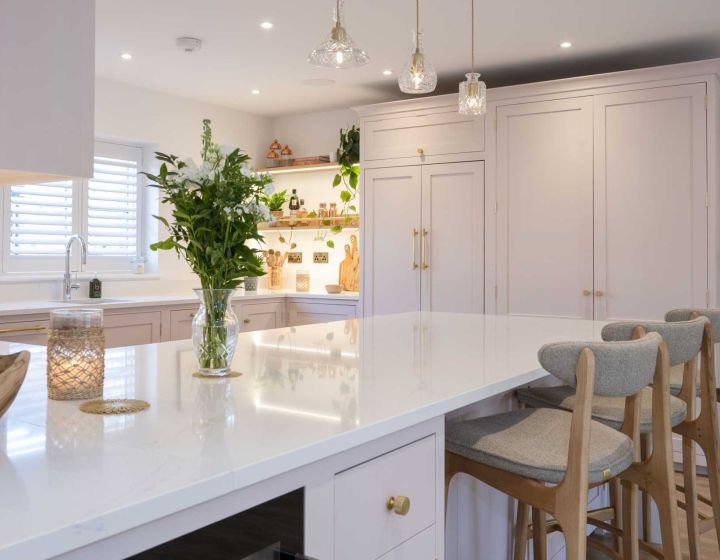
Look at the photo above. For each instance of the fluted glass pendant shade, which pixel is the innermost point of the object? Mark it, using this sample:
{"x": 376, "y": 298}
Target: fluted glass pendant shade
{"x": 473, "y": 95}
{"x": 418, "y": 75}
{"x": 338, "y": 50}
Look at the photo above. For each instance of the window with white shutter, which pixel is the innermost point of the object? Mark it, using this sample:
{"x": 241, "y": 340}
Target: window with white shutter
{"x": 106, "y": 210}
{"x": 113, "y": 204}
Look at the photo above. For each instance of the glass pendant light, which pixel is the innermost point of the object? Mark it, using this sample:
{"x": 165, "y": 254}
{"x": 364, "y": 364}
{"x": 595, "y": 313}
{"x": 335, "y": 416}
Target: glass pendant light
{"x": 418, "y": 75}
{"x": 338, "y": 50}
{"x": 473, "y": 93}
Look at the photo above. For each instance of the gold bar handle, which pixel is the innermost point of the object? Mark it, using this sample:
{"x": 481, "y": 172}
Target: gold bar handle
{"x": 23, "y": 329}
{"x": 425, "y": 264}
{"x": 414, "y": 247}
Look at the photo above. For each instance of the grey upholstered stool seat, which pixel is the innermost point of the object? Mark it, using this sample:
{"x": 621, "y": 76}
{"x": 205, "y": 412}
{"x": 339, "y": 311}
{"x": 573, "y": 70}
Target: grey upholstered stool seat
{"x": 533, "y": 443}
{"x": 608, "y": 410}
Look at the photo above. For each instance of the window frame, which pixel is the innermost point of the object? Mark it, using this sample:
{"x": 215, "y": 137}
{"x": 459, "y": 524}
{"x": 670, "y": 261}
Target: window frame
{"x": 43, "y": 265}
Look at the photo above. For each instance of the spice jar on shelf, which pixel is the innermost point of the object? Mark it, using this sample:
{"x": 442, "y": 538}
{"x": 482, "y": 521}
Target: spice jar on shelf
{"x": 323, "y": 212}
{"x": 332, "y": 213}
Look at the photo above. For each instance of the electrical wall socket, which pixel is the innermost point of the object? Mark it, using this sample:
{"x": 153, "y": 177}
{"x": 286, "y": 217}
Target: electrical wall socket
{"x": 320, "y": 257}
{"x": 294, "y": 258}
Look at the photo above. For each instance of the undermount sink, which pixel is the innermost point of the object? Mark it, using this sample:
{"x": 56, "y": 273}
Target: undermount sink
{"x": 90, "y": 301}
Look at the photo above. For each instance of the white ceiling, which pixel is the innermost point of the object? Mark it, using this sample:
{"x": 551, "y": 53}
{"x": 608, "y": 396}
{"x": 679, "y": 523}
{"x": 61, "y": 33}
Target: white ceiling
{"x": 516, "y": 41}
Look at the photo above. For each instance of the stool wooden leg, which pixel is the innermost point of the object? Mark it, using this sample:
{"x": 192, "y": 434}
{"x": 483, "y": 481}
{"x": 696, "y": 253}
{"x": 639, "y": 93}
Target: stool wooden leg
{"x": 631, "y": 546}
{"x": 521, "y": 531}
{"x": 691, "y": 501}
{"x": 616, "y": 505}
{"x": 539, "y": 535}
{"x": 644, "y": 496}
{"x": 713, "y": 466}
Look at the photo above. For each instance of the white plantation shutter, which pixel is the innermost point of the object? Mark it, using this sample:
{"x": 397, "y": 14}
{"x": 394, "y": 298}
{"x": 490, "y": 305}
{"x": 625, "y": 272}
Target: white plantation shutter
{"x": 112, "y": 201}
{"x": 106, "y": 210}
{"x": 40, "y": 218}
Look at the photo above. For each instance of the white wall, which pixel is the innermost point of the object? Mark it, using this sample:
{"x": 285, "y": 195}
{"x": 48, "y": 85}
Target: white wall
{"x": 313, "y": 134}
{"x": 167, "y": 123}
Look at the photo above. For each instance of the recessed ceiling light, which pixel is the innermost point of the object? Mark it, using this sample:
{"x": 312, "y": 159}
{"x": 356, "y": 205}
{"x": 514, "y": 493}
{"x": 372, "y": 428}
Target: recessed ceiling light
{"x": 387, "y": 72}
{"x": 566, "y": 44}
{"x": 255, "y": 92}
{"x": 267, "y": 25}
{"x": 126, "y": 56}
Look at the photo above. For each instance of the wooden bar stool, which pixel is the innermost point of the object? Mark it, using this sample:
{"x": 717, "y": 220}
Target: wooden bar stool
{"x": 700, "y": 428}
{"x": 658, "y": 412}
{"x": 549, "y": 458}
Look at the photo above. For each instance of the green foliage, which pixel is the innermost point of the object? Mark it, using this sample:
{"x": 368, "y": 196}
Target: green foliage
{"x": 275, "y": 201}
{"x": 348, "y": 177}
{"x": 348, "y": 152}
{"x": 215, "y": 212}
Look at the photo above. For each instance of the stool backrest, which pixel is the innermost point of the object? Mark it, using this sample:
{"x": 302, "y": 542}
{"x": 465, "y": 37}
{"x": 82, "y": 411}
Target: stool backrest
{"x": 621, "y": 368}
{"x": 683, "y": 338}
{"x": 684, "y": 314}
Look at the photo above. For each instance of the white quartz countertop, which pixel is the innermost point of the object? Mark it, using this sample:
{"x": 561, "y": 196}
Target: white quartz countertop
{"x": 68, "y": 479}
{"x": 36, "y": 306}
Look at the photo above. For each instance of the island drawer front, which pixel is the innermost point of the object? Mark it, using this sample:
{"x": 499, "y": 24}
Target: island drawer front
{"x": 420, "y": 547}
{"x": 364, "y": 527}
{"x": 306, "y": 313}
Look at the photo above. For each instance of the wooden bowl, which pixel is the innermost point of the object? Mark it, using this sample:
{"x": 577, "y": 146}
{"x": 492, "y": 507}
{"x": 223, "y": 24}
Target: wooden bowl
{"x": 333, "y": 288}
{"x": 13, "y": 368}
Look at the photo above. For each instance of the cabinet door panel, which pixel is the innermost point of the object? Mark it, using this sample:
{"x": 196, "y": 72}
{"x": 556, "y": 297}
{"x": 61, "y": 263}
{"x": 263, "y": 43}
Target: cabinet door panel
{"x": 307, "y": 313}
{"x": 433, "y": 134}
{"x": 260, "y": 315}
{"x": 650, "y": 214}
{"x": 129, "y": 329}
{"x": 545, "y": 208}
{"x": 391, "y": 252}
{"x": 452, "y": 237}
{"x": 181, "y": 323}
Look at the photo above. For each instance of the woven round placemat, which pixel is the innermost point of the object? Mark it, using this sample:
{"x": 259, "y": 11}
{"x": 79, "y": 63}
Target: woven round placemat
{"x": 114, "y": 406}
{"x": 231, "y": 374}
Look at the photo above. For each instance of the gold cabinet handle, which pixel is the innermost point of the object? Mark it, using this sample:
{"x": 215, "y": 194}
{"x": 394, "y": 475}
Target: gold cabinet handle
{"x": 425, "y": 264}
{"x": 23, "y": 329}
{"x": 587, "y": 293}
{"x": 246, "y": 321}
{"x": 414, "y": 245}
{"x": 398, "y": 504}
{"x": 599, "y": 293}
{"x": 192, "y": 314}
{"x": 420, "y": 151}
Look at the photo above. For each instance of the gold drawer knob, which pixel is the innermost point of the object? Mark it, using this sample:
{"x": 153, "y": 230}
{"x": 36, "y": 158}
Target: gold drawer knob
{"x": 587, "y": 293}
{"x": 420, "y": 151}
{"x": 246, "y": 321}
{"x": 599, "y": 293}
{"x": 398, "y": 504}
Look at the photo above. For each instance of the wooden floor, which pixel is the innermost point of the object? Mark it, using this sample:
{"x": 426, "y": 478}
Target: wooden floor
{"x": 708, "y": 546}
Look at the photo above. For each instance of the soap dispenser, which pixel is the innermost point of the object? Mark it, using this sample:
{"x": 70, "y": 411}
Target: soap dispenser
{"x": 95, "y": 288}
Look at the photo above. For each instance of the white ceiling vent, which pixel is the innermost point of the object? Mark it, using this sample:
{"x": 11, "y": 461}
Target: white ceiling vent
{"x": 188, "y": 44}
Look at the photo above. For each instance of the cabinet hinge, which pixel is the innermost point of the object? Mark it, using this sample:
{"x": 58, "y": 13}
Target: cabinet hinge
{"x": 707, "y": 102}
{"x": 707, "y": 199}
{"x": 707, "y": 298}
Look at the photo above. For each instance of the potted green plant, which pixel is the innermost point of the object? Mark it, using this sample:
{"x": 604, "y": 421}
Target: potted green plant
{"x": 275, "y": 202}
{"x": 213, "y": 225}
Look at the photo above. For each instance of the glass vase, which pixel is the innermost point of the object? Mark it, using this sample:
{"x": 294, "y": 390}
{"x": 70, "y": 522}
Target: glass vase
{"x": 214, "y": 332}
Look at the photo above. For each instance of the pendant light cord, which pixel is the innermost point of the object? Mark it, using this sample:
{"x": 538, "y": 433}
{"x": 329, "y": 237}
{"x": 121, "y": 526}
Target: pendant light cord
{"x": 337, "y": 12}
{"x": 417, "y": 25}
{"x": 472, "y": 36}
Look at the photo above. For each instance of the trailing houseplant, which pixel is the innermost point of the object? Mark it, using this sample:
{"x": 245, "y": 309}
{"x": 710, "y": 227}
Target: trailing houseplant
{"x": 347, "y": 178}
{"x": 216, "y": 208}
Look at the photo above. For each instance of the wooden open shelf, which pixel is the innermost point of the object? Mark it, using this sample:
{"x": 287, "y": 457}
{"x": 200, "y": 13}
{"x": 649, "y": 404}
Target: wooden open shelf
{"x": 298, "y": 168}
{"x": 351, "y": 221}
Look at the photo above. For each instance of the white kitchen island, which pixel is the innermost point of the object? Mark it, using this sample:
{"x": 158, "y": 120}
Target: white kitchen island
{"x": 351, "y": 411}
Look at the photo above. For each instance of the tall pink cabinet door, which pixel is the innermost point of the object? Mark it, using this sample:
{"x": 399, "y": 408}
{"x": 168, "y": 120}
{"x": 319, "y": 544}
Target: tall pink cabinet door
{"x": 391, "y": 240}
{"x": 545, "y": 208}
{"x": 451, "y": 243}
{"x": 651, "y": 221}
